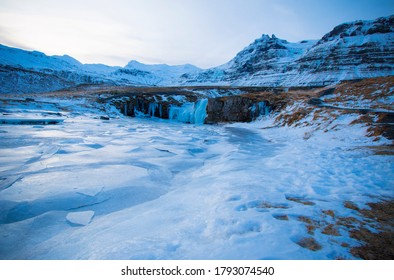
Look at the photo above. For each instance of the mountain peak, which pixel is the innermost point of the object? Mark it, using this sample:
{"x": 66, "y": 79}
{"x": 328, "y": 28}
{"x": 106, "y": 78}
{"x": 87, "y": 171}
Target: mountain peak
{"x": 380, "y": 25}
{"x": 268, "y": 38}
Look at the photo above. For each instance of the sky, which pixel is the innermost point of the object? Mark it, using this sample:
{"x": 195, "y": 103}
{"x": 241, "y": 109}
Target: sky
{"x": 205, "y": 33}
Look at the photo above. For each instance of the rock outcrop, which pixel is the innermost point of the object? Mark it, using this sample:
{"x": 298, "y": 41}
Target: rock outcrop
{"x": 235, "y": 109}
{"x": 192, "y": 108}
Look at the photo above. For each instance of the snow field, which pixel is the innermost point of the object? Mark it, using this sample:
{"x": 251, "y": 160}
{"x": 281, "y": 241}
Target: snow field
{"x": 153, "y": 189}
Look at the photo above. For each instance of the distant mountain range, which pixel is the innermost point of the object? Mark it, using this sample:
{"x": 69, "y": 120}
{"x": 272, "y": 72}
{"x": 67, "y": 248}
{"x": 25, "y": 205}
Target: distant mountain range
{"x": 360, "y": 49}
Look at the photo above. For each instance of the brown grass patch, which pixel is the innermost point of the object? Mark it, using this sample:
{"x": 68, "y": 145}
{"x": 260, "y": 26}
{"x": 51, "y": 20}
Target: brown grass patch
{"x": 265, "y": 204}
{"x": 373, "y": 228}
{"x": 281, "y": 217}
{"x": 309, "y": 243}
{"x": 363, "y": 119}
{"x": 331, "y": 230}
{"x": 379, "y": 130}
{"x": 329, "y": 213}
{"x": 350, "y": 205}
{"x": 347, "y": 222}
{"x": 373, "y": 89}
{"x": 310, "y": 224}
{"x": 345, "y": 245}
{"x": 377, "y": 245}
{"x": 385, "y": 150}
{"x": 301, "y": 201}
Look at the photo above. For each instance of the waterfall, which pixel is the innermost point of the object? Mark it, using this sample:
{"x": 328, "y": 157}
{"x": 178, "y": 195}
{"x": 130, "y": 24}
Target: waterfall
{"x": 152, "y": 108}
{"x": 200, "y": 112}
{"x": 259, "y": 109}
{"x": 189, "y": 112}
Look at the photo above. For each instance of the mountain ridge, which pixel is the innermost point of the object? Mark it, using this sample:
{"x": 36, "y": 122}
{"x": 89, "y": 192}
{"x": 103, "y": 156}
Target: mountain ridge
{"x": 352, "y": 50}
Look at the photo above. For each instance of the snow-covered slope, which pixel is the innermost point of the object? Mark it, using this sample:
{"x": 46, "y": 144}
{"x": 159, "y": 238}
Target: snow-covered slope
{"x": 152, "y": 74}
{"x": 165, "y": 71}
{"x": 359, "y": 49}
{"x": 35, "y": 60}
{"x": 267, "y": 61}
{"x": 31, "y": 71}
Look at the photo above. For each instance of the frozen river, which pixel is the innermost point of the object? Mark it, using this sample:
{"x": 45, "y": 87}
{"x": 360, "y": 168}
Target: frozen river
{"x": 125, "y": 188}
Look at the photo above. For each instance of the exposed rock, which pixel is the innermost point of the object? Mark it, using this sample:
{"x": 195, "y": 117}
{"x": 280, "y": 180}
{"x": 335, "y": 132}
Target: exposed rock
{"x": 238, "y": 108}
{"x": 234, "y": 109}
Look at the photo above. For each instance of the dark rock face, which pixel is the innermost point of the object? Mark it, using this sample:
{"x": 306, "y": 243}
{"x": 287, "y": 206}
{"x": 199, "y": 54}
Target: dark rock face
{"x": 234, "y": 109}
{"x": 140, "y": 105}
{"x": 228, "y": 109}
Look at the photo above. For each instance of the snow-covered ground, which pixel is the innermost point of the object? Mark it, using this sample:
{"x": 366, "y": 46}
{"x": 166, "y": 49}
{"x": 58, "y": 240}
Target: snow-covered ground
{"x": 135, "y": 188}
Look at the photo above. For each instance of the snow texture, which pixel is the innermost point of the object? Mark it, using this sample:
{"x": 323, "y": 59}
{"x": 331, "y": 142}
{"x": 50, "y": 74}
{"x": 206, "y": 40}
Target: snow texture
{"x": 161, "y": 189}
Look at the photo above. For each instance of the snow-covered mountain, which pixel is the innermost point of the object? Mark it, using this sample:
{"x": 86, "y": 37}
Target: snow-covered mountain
{"x": 354, "y": 50}
{"x": 31, "y": 71}
{"x": 267, "y": 61}
{"x": 360, "y": 49}
{"x": 136, "y": 73}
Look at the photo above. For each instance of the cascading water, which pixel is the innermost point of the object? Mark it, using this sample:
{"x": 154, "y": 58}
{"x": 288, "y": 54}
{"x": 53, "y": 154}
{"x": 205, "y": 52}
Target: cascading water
{"x": 152, "y": 108}
{"x": 200, "y": 112}
{"x": 155, "y": 109}
{"x": 259, "y": 109}
{"x": 189, "y": 112}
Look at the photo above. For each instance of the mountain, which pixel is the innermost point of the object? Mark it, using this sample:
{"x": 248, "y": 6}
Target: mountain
{"x": 31, "y": 71}
{"x": 359, "y": 49}
{"x": 354, "y": 50}
{"x": 163, "y": 70}
{"x": 154, "y": 74}
{"x": 266, "y": 61}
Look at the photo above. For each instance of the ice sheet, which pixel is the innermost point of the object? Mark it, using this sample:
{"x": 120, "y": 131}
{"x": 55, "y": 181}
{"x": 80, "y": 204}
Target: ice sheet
{"x": 166, "y": 190}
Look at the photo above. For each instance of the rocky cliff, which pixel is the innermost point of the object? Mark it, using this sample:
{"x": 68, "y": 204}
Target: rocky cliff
{"x": 195, "y": 105}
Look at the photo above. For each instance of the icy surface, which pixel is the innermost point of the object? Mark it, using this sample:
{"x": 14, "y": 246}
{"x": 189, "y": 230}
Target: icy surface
{"x": 80, "y": 218}
{"x": 167, "y": 190}
{"x": 189, "y": 112}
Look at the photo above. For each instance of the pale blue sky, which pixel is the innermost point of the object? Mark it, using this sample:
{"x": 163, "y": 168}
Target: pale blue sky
{"x": 205, "y": 33}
